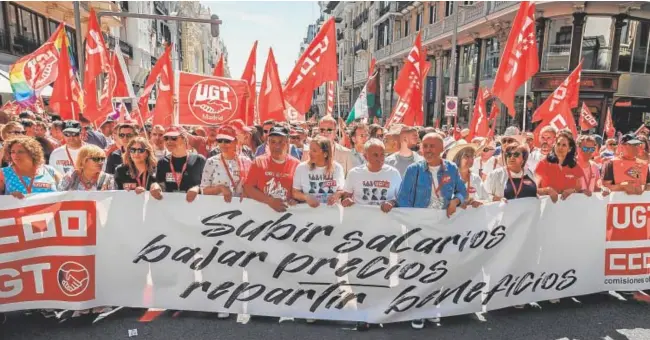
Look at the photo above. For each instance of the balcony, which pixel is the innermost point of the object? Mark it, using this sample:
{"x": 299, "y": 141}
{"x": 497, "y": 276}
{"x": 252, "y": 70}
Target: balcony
{"x": 402, "y": 5}
{"x": 125, "y": 47}
{"x": 383, "y": 10}
{"x": 360, "y": 19}
{"x": 362, "y": 45}
{"x": 160, "y": 7}
{"x": 22, "y": 44}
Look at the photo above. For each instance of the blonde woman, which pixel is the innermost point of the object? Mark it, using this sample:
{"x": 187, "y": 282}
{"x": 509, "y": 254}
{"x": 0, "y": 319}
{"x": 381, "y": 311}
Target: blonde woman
{"x": 87, "y": 174}
{"x": 27, "y": 173}
{"x": 138, "y": 170}
{"x": 320, "y": 179}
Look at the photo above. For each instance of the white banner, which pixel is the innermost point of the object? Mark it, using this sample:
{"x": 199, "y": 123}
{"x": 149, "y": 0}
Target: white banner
{"x": 80, "y": 250}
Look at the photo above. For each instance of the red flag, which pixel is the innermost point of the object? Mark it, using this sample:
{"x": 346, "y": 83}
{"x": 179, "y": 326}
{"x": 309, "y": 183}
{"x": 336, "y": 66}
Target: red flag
{"x": 519, "y": 60}
{"x": 123, "y": 87}
{"x": 316, "y": 66}
{"x": 494, "y": 111}
{"x": 610, "y": 131}
{"x": 164, "y": 103}
{"x": 329, "y": 109}
{"x": 642, "y": 129}
{"x": 65, "y": 91}
{"x": 250, "y": 78}
{"x": 563, "y": 119}
{"x": 97, "y": 63}
{"x": 562, "y": 99}
{"x": 479, "y": 125}
{"x": 271, "y": 100}
{"x": 371, "y": 68}
{"x": 587, "y": 120}
{"x": 218, "y": 70}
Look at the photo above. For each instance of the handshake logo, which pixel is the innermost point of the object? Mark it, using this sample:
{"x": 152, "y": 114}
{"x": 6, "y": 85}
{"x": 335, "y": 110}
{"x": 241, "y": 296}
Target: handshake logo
{"x": 73, "y": 278}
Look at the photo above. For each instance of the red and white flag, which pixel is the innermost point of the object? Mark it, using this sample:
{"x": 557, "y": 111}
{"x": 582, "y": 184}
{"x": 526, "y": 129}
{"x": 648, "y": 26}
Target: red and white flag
{"x": 219, "y": 68}
{"x": 609, "y": 129}
{"x": 519, "y": 60}
{"x": 316, "y": 66}
{"x": 97, "y": 63}
{"x": 478, "y": 127}
{"x": 271, "y": 101}
{"x": 164, "y": 110}
{"x": 329, "y": 109}
{"x": 564, "y": 98}
{"x": 587, "y": 120}
{"x": 123, "y": 85}
{"x": 249, "y": 76}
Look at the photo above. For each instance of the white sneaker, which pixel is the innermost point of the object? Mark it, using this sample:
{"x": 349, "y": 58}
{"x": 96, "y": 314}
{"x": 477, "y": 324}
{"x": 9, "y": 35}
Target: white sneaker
{"x": 434, "y": 320}
{"x": 417, "y": 324}
{"x": 223, "y": 315}
{"x": 310, "y": 320}
{"x": 554, "y": 301}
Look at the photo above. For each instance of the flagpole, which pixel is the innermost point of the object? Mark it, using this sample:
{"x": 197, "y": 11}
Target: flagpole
{"x": 523, "y": 113}
{"x": 338, "y": 100}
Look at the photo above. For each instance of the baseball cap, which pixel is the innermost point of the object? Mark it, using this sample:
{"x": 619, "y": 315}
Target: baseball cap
{"x": 239, "y": 125}
{"x": 71, "y": 126}
{"x": 227, "y": 132}
{"x": 108, "y": 119}
{"x": 172, "y": 131}
{"x": 630, "y": 139}
{"x": 294, "y": 132}
{"x": 279, "y": 131}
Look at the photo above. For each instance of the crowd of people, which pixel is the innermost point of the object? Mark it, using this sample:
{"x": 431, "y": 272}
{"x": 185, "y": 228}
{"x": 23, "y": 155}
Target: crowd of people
{"x": 323, "y": 163}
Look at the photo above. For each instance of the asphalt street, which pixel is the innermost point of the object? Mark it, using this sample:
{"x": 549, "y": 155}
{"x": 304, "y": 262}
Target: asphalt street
{"x": 599, "y": 316}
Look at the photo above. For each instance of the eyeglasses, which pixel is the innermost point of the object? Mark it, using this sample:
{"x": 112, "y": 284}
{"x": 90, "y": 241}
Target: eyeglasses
{"x": 488, "y": 149}
{"x": 16, "y": 132}
{"x": 323, "y": 130}
{"x": 137, "y": 150}
{"x": 71, "y": 134}
{"x": 168, "y": 138}
{"x": 126, "y": 135}
{"x": 613, "y": 144}
{"x": 515, "y": 154}
{"x": 97, "y": 159}
{"x": 224, "y": 141}
{"x": 588, "y": 149}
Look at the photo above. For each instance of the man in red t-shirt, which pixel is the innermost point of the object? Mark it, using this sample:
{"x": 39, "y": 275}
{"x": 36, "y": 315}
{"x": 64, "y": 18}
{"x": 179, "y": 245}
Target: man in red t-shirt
{"x": 270, "y": 179}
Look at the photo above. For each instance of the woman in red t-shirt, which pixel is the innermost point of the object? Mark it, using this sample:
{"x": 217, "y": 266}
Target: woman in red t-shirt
{"x": 559, "y": 173}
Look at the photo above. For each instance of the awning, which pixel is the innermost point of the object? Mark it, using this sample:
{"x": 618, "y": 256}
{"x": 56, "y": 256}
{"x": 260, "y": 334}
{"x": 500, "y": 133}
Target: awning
{"x": 5, "y": 86}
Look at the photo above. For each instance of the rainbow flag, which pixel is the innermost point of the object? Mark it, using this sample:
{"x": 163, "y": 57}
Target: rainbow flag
{"x": 33, "y": 72}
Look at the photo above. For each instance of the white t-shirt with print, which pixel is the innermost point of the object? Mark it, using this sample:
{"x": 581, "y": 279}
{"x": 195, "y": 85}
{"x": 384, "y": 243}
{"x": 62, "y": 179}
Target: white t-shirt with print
{"x": 436, "y": 201}
{"x": 316, "y": 183}
{"x": 215, "y": 174}
{"x": 373, "y": 188}
{"x": 60, "y": 161}
{"x": 486, "y": 167}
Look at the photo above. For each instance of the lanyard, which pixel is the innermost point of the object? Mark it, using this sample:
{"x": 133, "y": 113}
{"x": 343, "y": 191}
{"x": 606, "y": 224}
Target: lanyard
{"x": 88, "y": 186}
{"x": 588, "y": 179}
{"x": 69, "y": 156}
{"x": 140, "y": 181}
{"x": 28, "y": 189}
{"x": 178, "y": 178}
{"x": 239, "y": 165}
{"x": 512, "y": 182}
{"x": 436, "y": 189}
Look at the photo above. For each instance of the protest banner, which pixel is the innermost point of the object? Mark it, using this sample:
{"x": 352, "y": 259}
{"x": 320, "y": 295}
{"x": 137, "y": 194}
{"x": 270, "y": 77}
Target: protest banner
{"x": 205, "y": 100}
{"x": 78, "y": 250}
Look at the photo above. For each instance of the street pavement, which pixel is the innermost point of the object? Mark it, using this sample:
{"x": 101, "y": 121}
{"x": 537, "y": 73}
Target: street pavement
{"x": 598, "y": 316}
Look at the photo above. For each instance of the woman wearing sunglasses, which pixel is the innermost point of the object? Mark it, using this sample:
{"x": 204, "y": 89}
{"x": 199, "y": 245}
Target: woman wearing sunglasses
{"x": 87, "y": 174}
{"x": 27, "y": 173}
{"x": 224, "y": 173}
{"x": 463, "y": 156}
{"x": 513, "y": 180}
{"x": 558, "y": 175}
{"x": 138, "y": 168}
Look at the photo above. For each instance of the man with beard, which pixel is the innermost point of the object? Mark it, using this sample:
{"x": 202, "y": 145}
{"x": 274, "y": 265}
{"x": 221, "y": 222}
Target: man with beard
{"x": 157, "y": 141}
{"x": 547, "y": 140}
{"x": 407, "y": 154}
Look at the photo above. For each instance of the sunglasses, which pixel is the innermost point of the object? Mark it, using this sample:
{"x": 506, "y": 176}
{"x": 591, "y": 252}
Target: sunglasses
{"x": 224, "y": 141}
{"x": 71, "y": 134}
{"x": 488, "y": 149}
{"x": 126, "y": 135}
{"x": 137, "y": 150}
{"x": 513, "y": 154}
{"x": 613, "y": 144}
{"x": 168, "y": 138}
{"x": 97, "y": 159}
{"x": 16, "y": 132}
{"x": 323, "y": 130}
{"x": 588, "y": 149}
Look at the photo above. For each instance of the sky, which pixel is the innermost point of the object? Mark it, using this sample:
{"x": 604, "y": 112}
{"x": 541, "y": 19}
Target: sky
{"x": 280, "y": 25}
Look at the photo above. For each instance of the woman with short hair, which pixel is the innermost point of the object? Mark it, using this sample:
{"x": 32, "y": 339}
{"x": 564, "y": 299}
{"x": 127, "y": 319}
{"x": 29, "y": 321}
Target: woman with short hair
{"x": 88, "y": 174}
{"x": 513, "y": 180}
{"x": 28, "y": 173}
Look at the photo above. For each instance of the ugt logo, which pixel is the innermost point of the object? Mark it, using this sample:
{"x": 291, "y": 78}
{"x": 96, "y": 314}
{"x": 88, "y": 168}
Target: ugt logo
{"x": 213, "y": 101}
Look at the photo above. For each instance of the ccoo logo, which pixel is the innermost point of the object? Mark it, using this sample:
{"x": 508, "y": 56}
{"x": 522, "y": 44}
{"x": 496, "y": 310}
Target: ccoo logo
{"x": 213, "y": 101}
{"x": 47, "y": 61}
{"x": 73, "y": 278}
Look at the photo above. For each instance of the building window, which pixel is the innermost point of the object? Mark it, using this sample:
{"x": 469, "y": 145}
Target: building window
{"x": 418, "y": 22}
{"x": 449, "y": 8}
{"x": 597, "y": 43}
{"x": 634, "y": 47}
{"x": 491, "y": 62}
{"x": 407, "y": 23}
{"x": 557, "y": 47}
{"x": 26, "y": 30}
{"x": 467, "y": 63}
{"x": 398, "y": 30}
{"x": 468, "y": 3}
{"x": 433, "y": 13}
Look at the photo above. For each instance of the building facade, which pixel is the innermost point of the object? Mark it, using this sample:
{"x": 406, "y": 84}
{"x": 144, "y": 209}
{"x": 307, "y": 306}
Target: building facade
{"x": 200, "y": 51}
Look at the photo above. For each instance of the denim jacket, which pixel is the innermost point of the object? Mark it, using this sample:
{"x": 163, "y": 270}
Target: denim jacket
{"x": 415, "y": 191}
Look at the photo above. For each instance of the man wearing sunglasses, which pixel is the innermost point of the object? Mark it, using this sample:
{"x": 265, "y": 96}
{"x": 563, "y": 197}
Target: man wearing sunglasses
{"x": 327, "y": 129}
{"x": 586, "y": 150}
{"x": 179, "y": 171}
{"x": 262, "y": 149}
{"x": 64, "y": 157}
{"x": 627, "y": 173}
{"x": 125, "y": 132}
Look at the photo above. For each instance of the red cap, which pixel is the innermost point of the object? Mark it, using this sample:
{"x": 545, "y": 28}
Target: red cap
{"x": 227, "y": 132}
{"x": 173, "y": 131}
{"x": 239, "y": 125}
